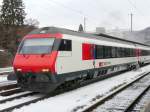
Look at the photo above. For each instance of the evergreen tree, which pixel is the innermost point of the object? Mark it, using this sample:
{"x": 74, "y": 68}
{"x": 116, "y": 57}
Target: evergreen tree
{"x": 12, "y": 13}
{"x": 80, "y": 28}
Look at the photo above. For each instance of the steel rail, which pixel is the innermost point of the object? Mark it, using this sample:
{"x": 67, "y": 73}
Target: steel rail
{"x": 25, "y": 103}
{"x": 136, "y": 100}
{"x": 17, "y": 97}
{"x": 10, "y": 91}
{"x": 99, "y": 102}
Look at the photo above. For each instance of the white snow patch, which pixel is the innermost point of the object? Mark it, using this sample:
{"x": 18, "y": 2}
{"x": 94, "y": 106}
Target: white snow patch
{"x": 3, "y": 78}
{"x": 7, "y": 69}
{"x": 14, "y": 95}
{"x": 68, "y": 101}
{"x": 18, "y": 101}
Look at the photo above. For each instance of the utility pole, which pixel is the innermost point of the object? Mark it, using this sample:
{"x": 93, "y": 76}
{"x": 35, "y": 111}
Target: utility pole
{"x": 84, "y": 23}
{"x": 131, "y": 15}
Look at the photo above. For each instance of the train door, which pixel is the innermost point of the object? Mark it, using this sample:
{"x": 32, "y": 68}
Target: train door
{"x": 88, "y": 53}
{"x": 138, "y": 54}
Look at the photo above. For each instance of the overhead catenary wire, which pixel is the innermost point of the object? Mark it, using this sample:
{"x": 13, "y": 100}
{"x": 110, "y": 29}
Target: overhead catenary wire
{"x": 88, "y": 17}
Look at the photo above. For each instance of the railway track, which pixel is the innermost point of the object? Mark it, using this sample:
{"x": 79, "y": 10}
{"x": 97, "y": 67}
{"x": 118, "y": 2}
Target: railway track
{"x": 9, "y": 89}
{"x": 32, "y": 98}
{"x": 2, "y": 102}
{"x": 11, "y": 92}
{"x": 123, "y": 99}
{"x": 16, "y": 96}
{"x": 8, "y": 86}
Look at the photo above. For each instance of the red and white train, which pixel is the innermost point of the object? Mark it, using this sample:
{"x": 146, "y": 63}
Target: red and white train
{"x": 49, "y": 57}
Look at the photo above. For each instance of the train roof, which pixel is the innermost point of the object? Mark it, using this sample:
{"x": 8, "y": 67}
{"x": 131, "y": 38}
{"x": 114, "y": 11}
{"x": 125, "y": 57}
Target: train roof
{"x": 84, "y": 34}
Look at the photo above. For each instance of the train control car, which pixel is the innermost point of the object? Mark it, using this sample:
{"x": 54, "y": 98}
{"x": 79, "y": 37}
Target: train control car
{"x": 50, "y": 57}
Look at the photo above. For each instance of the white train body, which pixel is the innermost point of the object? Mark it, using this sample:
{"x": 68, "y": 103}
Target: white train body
{"x": 71, "y": 61}
{"x": 49, "y": 57}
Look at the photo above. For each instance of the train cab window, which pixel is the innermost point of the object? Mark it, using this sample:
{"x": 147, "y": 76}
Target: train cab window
{"x": 36, "y": 46}
{"x": 99, "y": 52}
{"x": 65, "y": 45}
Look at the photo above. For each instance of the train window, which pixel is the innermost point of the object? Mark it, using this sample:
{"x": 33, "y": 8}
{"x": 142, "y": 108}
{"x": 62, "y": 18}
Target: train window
{"x": 107, "y": 52}
{"x": 125, "y": 52}
{"x": 118, "y": 52}
{"x": 128, "y": 52}
{"x": 65, "y": 45}
{"x": 122, "y": 53}
{"x": 36, "y": 46}
{"x": 145, "y": 52}
{"x": 132, "y": 52}
{"x": 99, "y": 52}
{"x": 113, "y": 52}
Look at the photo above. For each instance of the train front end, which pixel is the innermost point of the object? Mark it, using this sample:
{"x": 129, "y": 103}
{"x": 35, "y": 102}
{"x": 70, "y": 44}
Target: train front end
{"x": 34, "y": 63}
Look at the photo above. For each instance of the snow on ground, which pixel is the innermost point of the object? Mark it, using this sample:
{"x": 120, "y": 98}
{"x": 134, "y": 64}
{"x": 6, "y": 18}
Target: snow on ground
{"x": 3, "y": 78}
{"x": 18, "y": 101}
{"x": 14, "y": 95}
{"x": 7, "y": 69}
{"x": 70, "y": 100}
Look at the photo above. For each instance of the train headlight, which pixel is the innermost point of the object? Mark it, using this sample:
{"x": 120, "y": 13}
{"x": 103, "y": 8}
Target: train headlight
{"x": 45, "y": 70}
{"x": 19, "y": 70}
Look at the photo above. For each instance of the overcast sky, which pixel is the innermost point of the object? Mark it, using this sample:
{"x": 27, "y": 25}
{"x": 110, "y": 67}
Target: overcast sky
{"x": 99, "y": 13}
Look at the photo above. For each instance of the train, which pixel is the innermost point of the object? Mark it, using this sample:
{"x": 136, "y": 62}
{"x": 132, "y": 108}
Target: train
{"x": 50, "y": 57}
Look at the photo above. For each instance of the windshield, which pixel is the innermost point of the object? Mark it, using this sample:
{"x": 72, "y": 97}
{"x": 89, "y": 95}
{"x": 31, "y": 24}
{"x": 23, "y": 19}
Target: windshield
{"x": 36, "y": 46}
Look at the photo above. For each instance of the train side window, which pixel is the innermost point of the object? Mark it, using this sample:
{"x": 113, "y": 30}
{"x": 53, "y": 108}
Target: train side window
{"x": 122, "y": 52}
{"x": 131, "y": 52}
{"x": 65, "y": 45}
{"x": 118, "y": 52}
{"x": 107, "y": 52}
{"x": 128, "y": 52}
{"x": 134, "y": 52}
{"x": 125, "y": 52}
{"x": 99, "y": 52}
{"x": 113, "y": 52}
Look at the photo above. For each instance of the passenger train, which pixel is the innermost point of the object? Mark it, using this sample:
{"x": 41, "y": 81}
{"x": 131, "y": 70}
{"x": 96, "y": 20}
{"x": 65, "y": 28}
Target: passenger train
{"x": 50, "y": 57}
